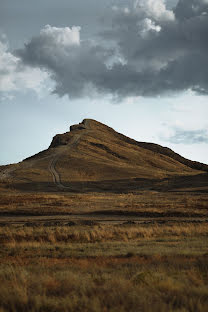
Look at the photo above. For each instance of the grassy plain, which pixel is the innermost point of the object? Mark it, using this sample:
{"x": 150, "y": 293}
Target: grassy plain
{"x": 104, "y": 268}
{"x": 157, "y": 265}
{"x": 142, "y": 251}
{"x": 140, "y": 203}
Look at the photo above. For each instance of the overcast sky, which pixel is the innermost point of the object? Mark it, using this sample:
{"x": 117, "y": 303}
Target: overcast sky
{"x": 139, "y": 66}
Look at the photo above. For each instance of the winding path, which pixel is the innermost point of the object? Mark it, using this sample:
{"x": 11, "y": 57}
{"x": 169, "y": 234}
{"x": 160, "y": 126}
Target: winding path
{"x": 52, "y": 165}
{"x": 54, "y": 173}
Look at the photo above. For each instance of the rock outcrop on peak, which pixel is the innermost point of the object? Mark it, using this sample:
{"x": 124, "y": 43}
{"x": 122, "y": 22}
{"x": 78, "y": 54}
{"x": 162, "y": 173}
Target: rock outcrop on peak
{"x": 77, "y": 127}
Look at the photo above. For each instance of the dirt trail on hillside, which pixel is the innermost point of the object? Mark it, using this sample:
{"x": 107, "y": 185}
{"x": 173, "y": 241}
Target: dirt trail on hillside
{"x": 52, "y": 165}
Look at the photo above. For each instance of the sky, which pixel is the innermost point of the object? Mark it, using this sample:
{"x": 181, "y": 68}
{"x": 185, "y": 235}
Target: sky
{"x": 139, "y": 66}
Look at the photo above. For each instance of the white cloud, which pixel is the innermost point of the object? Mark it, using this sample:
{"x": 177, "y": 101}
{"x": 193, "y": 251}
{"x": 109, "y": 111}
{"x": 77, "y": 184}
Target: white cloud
{"x": 155, "y": 9}
{"x": 15, "y": 76}
{"x": 74, "y": 65}
{"x": 147, "y": 25}
{"x": 62, "y": 36}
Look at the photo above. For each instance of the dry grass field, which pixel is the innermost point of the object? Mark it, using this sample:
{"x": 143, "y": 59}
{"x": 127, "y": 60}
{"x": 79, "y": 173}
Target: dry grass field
{"x": 144, "y": 251}
{"x": 122, "y": 267}
{"x": 140, "y": 203}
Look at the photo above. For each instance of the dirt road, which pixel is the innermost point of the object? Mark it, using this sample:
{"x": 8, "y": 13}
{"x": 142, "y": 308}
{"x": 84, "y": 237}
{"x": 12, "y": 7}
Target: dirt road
{"x": 52, "y": 165}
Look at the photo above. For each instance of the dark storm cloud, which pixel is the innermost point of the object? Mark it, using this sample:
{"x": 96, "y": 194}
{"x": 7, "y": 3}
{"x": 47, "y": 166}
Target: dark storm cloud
{"x": 74, "y": 66}
{"x": 149, "y": 50}
{"x": 186, "y": 9}
{"x": 189, "y": 137}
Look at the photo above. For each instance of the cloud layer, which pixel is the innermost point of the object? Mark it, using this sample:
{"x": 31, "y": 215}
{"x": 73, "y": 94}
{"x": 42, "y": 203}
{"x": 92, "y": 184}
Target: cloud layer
{"x": 149, "y": 50}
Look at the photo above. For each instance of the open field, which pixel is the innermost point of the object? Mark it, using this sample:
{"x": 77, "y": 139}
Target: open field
{"x": 138, "y": 203}
{"x": 126, "y": 267}
{"x": 138, "y": 251}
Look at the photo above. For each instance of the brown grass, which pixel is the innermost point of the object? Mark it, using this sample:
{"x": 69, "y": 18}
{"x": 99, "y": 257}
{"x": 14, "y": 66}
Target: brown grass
{"x": 104, "y": 268}
{"x": 146, "y": 203}
{"x": 100, "y": 233}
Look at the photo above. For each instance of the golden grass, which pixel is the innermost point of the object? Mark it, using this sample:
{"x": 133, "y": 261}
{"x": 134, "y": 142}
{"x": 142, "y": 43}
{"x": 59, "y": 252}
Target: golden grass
{"x": 129, "y": 287}
{"x": 99, "y": 233}
{"x": 104, "y": 268}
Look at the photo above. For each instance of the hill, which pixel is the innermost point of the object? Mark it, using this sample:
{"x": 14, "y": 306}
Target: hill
{"x": 93, "y": 157}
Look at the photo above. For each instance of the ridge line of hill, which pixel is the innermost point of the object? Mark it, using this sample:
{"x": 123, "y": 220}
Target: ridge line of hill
{"x": 156, "y": 148}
